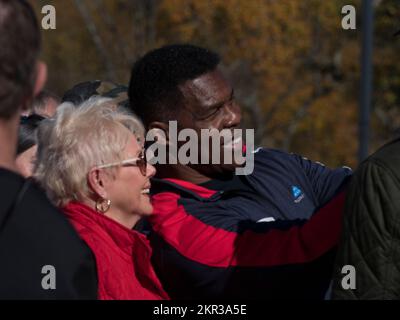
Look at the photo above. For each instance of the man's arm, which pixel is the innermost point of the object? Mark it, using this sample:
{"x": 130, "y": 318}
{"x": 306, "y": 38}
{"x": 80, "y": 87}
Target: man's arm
{"x": 325, "y": 181}
{"x": 274, "y": 256}
{"x": 282, "y": 242}
{"x": 371, "y": 235}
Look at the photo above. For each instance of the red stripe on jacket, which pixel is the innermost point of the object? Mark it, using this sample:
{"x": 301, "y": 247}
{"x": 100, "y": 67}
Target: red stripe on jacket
{"x": 220, "y": 248}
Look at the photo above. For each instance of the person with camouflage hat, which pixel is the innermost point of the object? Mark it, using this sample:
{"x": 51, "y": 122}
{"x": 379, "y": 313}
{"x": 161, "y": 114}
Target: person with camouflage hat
{"x": 84, "y": 90}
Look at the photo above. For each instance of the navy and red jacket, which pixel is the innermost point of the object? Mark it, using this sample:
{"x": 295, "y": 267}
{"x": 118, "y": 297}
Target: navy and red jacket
{"x": 275, "y": 238}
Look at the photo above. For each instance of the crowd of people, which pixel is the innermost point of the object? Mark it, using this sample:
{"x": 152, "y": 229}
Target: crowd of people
{"x": 79, "y": 194}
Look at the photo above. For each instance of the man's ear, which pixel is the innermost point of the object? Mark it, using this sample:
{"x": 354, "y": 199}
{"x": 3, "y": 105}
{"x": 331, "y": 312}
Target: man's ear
{"x": 39, "y": 82}
{"x": 157, "y": 125}
{"x": 41, "y": 77}
{"x": 97, "y": 181}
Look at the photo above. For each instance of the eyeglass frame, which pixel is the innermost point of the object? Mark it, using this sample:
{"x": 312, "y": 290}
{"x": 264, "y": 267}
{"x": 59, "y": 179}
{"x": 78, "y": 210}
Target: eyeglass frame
{"x": 128, "y": 162}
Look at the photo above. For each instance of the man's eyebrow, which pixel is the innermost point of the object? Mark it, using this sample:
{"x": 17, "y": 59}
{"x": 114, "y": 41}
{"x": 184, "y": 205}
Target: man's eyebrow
{"x": 220, "y": 104}
{"x": 232, "y": 94}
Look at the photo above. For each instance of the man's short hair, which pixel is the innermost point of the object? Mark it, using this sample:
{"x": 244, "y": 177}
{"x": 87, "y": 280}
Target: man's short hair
{"x": 154, "y": 94}
{"x": 19, "y": 49}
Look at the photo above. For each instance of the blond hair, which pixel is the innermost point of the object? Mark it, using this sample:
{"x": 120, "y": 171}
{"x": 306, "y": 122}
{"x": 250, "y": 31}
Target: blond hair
{"x": 77, "y": 139}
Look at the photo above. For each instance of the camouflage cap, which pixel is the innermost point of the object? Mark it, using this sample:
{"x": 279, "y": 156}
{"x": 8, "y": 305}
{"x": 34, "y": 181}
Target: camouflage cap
{"x": 83, "y": 91}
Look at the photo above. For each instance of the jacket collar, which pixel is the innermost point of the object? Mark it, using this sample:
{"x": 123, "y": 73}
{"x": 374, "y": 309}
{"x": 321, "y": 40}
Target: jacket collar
{"x": 105, "y": 227}
{"x": 184, "y": 187}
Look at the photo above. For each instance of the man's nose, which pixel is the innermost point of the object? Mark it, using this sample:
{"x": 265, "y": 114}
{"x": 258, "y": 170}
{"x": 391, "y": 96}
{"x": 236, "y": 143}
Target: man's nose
{"x": 233, "y": 115}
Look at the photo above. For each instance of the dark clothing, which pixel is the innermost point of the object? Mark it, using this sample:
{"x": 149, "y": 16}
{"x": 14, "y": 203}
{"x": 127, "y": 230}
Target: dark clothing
{"x": 252, "y": 239}
{"x": 33, "y": 234}
{"x": 370, "y": 241}
{"x": 233, "y": 183}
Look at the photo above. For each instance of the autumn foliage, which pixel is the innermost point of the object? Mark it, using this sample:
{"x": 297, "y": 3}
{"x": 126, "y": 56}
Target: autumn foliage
{"x": 295, "y": 70}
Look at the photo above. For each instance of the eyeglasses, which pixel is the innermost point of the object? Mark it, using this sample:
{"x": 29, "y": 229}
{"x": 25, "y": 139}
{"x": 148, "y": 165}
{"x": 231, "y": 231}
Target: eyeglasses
{"x": 140, "y": 162}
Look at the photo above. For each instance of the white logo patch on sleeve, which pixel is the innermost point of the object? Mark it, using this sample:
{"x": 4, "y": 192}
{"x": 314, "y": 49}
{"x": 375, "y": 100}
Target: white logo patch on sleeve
{"x": 267, "y": 219}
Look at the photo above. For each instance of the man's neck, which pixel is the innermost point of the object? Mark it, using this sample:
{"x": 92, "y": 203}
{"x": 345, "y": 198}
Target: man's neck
{"x": 182, "y": 172}
{"x": 8, "y": 142}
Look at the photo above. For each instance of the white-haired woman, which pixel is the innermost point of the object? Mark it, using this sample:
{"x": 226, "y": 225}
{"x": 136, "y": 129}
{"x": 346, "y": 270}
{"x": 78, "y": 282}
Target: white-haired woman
{"x": 91, "y": 163}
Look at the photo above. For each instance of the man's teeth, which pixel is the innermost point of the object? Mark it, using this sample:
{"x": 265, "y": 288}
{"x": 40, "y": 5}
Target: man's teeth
{"x": 233, "y": 143}
{"x": 145, "y": 191}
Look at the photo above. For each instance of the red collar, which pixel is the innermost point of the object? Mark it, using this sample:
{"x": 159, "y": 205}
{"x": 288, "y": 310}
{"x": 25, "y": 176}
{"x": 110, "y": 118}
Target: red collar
{"x": 201, "y": 191}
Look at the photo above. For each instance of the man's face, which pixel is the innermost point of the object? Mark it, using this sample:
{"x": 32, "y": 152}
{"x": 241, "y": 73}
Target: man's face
{"x": 50, "y": 108}
{"x": 209, "y": 104}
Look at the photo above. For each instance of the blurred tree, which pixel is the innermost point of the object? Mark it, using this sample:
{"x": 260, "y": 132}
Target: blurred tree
{"x": 286, "y": 60}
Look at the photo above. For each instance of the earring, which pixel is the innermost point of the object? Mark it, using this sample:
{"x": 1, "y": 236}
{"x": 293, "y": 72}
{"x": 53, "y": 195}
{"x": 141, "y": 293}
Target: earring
{"x": 103, "y": 205}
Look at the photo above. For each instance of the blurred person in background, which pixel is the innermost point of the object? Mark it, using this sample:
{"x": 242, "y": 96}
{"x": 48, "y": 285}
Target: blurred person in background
{"x": 27, "y": 144}
{"x": 45, "y": 104}
{"x": 92, "y": 165}
{"x": 85, "y": 90}
{"x": 41, "y": 255}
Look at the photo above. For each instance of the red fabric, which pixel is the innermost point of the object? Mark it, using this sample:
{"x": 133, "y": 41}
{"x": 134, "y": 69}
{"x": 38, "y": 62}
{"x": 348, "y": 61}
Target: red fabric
{"x": 122, "y": 256}
{"x": 201, "y": 191}
{"x": 220, "y": 248}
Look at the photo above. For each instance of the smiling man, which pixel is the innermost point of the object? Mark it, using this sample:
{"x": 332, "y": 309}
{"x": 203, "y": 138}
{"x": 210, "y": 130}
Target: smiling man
{"x": 270, "y": 234}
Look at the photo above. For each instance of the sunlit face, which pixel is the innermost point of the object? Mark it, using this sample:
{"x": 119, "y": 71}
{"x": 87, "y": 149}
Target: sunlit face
{"x": 210, "y": 104}
{"x": 25, "y": 161}
{"x": 129, "y": 191}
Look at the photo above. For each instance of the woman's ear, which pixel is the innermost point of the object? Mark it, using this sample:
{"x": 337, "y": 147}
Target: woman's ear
{"x": 97, "y": 181}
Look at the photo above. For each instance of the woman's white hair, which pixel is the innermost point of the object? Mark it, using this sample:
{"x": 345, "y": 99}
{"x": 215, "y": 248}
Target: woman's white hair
{"x": 77, "y": 139}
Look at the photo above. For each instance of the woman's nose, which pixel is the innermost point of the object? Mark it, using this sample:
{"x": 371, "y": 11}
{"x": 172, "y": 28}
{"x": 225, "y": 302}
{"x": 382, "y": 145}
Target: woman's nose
{"x": 151, "y": 170}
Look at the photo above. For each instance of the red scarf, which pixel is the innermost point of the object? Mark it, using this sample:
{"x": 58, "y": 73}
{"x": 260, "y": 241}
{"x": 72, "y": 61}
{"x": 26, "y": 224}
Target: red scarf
{"x": 122, "y": 255}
